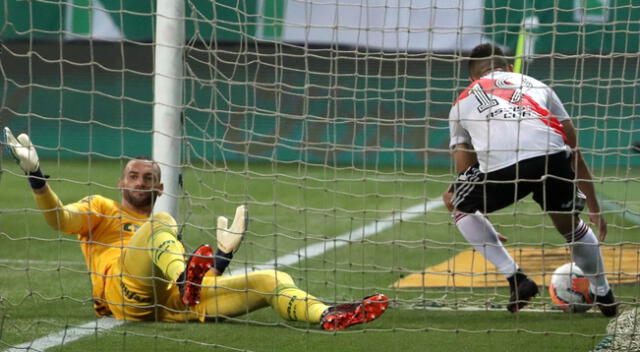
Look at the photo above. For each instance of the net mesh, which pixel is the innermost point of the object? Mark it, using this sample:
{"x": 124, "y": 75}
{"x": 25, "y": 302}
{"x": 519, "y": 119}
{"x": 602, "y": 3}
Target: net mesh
{"x": 622, "y": 333}
{"x": 329, "y": 120}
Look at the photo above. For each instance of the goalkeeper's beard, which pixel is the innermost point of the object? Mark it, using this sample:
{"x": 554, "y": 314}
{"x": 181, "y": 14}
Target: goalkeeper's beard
{"x": 147, "y": 200}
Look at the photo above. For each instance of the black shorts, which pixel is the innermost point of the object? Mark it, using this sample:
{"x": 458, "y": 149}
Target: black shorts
{"x": 550, "y": 179}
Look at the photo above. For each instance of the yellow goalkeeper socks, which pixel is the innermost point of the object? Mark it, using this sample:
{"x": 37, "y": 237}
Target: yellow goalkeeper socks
{"x": 292, "y": 303}
{"x": 167, "y": 253}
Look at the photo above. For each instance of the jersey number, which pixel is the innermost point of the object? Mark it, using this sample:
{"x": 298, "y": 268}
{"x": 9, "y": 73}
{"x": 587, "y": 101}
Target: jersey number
{"x": 482, "y": 97}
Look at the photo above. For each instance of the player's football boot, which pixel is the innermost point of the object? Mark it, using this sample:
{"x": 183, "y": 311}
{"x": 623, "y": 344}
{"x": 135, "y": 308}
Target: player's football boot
{"x": 607, "y": 304}
{"x": 190, "y": 281}
{"x": 345, "y": 315}
{"x": 523, "y": 289}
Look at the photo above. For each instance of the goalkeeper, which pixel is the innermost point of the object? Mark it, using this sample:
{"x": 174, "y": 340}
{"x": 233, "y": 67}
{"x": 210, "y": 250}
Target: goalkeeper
{"x": 138, "y": 267}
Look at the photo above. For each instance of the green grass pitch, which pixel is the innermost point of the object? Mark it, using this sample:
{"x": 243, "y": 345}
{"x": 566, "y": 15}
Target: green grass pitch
{"x": 46, "y": 288}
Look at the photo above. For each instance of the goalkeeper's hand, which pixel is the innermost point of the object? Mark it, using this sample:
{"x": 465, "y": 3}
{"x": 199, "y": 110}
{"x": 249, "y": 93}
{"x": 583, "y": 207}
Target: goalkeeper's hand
{"x": 229, "y": 237}
{"x": 23, "y": 151}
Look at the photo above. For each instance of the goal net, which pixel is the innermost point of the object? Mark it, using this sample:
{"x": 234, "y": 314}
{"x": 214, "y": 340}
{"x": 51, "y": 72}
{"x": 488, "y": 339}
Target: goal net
{"x": 329, "y": 120}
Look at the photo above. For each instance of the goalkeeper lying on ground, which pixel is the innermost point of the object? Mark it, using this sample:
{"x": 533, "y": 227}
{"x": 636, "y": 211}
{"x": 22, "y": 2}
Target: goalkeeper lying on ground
{"x": 138, "y": 267}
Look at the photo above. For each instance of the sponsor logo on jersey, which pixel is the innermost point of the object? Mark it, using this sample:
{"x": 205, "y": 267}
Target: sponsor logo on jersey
{"x": 130, "y": 227}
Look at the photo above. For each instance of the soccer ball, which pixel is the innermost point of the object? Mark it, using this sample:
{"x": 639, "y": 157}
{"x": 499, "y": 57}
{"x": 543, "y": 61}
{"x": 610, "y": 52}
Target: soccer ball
{"x": 569, "y": 289}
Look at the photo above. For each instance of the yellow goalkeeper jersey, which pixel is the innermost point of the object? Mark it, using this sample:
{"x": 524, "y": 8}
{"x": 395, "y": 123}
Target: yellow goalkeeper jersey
{"x": 103, "y": 227}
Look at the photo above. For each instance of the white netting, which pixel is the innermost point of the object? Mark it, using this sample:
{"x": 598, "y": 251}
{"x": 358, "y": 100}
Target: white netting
{"x": 329, "y": 120}
{"x": 622, "y": 333}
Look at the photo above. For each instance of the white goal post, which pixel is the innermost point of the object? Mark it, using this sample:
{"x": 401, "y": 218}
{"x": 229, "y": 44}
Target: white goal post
{"x": 168, "y": 100}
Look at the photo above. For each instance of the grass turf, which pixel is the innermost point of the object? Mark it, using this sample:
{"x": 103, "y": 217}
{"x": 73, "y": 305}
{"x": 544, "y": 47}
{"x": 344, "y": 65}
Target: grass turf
{"x": 46, "y": 288}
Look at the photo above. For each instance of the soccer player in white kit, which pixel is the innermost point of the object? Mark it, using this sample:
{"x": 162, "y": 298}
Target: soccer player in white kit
{"x": 511, "y": 136}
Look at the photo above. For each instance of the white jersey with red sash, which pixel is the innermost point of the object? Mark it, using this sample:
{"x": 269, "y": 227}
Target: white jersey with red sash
{"x": 508, "y": 117}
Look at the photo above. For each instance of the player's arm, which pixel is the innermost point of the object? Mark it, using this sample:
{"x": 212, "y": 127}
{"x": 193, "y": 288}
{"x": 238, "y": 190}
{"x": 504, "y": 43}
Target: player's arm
{"x": 464, "y": 156}
{"x": 55, "y": 214}
{"x": 230, "y": 237}
{"x": 585, "y": 178}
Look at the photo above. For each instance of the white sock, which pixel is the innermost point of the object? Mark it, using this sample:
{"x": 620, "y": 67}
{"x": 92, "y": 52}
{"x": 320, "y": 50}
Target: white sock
{"x": 586, "y": 254}
{"x": 479, "y": 232}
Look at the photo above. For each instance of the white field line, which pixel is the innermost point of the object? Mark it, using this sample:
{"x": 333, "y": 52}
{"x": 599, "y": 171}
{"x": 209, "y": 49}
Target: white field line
{"x": 67, "y": 335}
{"x": 49, "y": 263}
{"x": 104, "y": 324}
{"x": 501, "y": 309}
{"x": 363, "y": 232}
{"x": 620, "y": 210}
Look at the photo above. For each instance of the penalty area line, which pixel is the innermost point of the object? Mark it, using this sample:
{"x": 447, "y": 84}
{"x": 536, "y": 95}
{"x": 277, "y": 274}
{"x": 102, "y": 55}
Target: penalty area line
{"x": 103, "y": 324}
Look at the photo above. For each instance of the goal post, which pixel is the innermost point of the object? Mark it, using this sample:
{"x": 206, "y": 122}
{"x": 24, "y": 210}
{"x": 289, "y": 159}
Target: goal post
{"x": 168, "y": 100}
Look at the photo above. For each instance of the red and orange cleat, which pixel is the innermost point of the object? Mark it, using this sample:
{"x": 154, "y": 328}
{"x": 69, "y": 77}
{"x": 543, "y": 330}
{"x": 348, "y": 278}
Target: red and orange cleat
{"x": 345, "y": 315}
{"x": 190, "y": 281}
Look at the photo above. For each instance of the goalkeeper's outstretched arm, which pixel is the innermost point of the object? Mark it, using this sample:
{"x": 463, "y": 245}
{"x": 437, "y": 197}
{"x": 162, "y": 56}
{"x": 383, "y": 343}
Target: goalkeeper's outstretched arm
{"x": 55, "y": 214}
{"x": 27, "y": 158}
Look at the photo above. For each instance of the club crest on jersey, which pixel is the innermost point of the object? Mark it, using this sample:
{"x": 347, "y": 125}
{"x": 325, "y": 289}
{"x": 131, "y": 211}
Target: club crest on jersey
{"x": 129, "y": 227}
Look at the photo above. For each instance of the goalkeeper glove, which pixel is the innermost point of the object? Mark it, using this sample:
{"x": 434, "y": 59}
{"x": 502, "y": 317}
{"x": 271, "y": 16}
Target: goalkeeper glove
{"x": 26, "y": 156}
{"x": 229, "y": 238}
